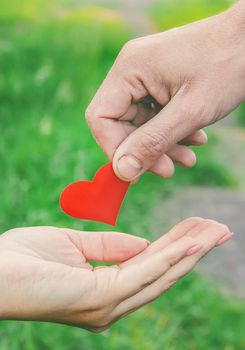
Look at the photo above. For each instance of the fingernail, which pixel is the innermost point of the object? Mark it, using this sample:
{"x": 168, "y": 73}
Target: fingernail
{"x": 193, "y": 250}
{"x": 203, "y": 138}
{"x": 190, "y": 160}
{"x": 128, "y": 167}
{"x": 225, "y": 238}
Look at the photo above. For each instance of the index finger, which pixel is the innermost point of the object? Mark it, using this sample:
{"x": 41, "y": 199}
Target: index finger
{"x": 181, "y": 229}
{"x": 135, "y": 277}
{"x": 109, "y": 112}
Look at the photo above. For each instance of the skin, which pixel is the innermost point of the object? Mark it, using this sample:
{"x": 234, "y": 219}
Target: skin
{"x": 46, "y": 274}
{"x": 164, "y": 88}
{"x": 161, "y": 91}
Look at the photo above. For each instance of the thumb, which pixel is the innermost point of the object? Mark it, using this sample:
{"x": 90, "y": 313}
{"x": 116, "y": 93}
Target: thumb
{"x": 138, "y": 152}
{"x": 107, "y": 246}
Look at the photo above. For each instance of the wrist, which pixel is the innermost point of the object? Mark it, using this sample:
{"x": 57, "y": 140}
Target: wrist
{"x": 231, "y": 27}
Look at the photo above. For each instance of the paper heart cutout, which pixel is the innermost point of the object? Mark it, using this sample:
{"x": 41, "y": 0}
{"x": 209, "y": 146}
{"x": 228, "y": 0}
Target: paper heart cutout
{"x": 97, "y": 200}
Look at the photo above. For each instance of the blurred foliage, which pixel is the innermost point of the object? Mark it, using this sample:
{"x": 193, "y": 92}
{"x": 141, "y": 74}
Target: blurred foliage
{"x": 192, "y": 317}
{"x": 173, "y": 13}
{"x": 13, "y": 10}
{"x": 53, "y": 56}
{"x": 241, "y": 114}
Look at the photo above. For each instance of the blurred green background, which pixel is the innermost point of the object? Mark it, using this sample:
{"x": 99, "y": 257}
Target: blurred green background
{"x": 53, "y": 56}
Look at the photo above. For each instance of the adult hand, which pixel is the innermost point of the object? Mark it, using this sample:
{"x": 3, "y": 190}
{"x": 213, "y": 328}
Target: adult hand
{"x": 164, "y": 88}
{"x": 46, "y": 275}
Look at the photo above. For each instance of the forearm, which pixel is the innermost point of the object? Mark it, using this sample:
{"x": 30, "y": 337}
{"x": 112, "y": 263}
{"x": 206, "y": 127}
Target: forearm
{"x": 235, "y": 22}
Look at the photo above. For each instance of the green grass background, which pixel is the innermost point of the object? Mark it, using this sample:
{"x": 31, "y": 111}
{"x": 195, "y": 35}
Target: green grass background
{"x": 53, "y": 56}
{"x": 167, "y": 14}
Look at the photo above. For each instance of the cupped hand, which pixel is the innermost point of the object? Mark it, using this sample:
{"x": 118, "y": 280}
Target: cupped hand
{"x": 164, "y": 88}
{"x": 46, "y": 274}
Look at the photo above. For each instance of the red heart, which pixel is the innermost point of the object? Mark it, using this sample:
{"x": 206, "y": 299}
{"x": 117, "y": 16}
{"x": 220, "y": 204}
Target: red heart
{"x": 97, "y": 200}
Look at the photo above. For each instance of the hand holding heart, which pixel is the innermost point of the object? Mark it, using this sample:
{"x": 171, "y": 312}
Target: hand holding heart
{"x": 163, "y": 88}
{"x": 46, "y": 274}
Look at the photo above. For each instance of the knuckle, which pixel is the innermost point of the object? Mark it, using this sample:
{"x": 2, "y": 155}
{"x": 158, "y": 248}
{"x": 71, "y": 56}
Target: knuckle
{"x": 129, "y": 52}
{"x": 146, "y": 278}
{"x": 128, "y": 47}
{"x": 148, "y": 281}
{"x": 152, "y": 144}
{"x": 88, "y": 115}
{"x": 172, "y": 261}
{"x": 93, "y": 116}
{"x": 93, "y": 119}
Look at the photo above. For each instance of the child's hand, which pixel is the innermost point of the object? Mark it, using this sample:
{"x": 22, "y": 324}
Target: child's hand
{"x": 46, "y": 276}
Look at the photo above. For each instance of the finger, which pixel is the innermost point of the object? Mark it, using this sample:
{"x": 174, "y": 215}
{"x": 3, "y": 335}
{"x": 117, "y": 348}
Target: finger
{"x": 139, "y": 151}
{"x": 182, "y": 155}
{"x": 198, "y": 138}
{"x": 190, "y": 226}
{"x": 209, "y": 235}
{"x": 208, "y": 238}
{"x": 111, "y": 110}
{"x": 107, "y": 246}
{"x": 136, "y": 276}
{"x": 146, "y": 110}
{"x": 163, "y": 167}
{"x": 109, "y": 133}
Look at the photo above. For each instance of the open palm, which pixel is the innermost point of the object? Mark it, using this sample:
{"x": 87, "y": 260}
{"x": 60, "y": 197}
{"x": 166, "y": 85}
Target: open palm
{"x": 46, "y": 275}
